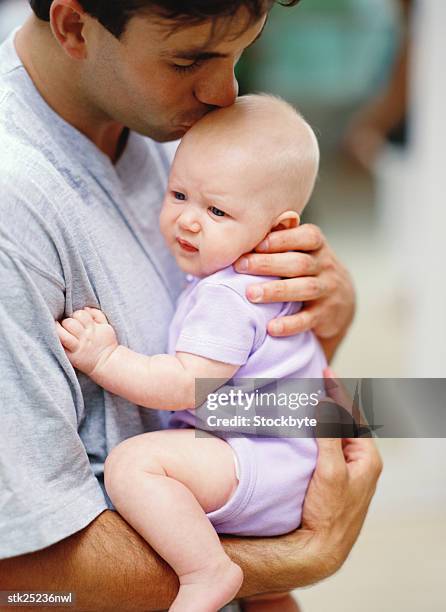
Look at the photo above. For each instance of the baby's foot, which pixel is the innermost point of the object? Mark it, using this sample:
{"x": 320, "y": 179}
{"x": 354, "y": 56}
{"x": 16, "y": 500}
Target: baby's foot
{"x": 209, "y": 589}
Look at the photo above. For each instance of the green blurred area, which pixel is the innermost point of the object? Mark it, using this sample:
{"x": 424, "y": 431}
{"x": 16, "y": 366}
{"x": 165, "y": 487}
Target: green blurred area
{"x": 325, "y": 56}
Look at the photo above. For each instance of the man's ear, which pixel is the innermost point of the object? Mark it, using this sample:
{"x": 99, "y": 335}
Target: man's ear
{"x": 287, "y": 220}
{"x": 67, "y": 24}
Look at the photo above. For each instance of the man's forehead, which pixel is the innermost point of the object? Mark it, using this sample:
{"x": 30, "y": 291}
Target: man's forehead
{"x": 209, "y": 39}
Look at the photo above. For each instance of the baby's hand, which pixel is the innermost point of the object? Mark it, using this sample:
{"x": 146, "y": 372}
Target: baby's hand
{"x": 88, "y": 339}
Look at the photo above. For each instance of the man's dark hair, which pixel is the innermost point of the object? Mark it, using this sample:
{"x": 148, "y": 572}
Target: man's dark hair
{"x": 114, "y": 14}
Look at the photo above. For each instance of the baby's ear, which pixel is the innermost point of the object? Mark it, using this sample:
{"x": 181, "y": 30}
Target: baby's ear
{"x": 287, "y": 220}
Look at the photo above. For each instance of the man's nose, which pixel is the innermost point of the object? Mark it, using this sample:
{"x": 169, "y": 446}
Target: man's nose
{"x": 218, "y": 87}
{"x": 189, "y": 220}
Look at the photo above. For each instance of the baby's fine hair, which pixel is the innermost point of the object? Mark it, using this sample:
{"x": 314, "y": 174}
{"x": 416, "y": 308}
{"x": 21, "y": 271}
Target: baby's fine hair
{"x": 293, "y": 143}
{"x": 277, "y": 138}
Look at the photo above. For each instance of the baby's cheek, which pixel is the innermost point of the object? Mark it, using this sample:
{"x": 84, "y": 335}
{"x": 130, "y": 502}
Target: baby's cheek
{"x": 236, "y": 244}
{"x": 222, "y": 258}
{"x": 165, "y": 223}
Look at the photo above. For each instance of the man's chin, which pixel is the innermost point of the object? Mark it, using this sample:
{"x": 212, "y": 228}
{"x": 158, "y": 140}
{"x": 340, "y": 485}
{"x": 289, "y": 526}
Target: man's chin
{"x": 176, "y": 135}
{"x": 163, "y": 135}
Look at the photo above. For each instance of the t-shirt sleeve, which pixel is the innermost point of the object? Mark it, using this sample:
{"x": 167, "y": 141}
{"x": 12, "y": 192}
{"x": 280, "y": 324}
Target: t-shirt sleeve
{"x": 47, "y": 488}
{"x": 221, "y": 325}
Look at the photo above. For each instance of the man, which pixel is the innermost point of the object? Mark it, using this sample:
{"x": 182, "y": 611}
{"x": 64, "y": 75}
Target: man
{"x": 81, "y": 85}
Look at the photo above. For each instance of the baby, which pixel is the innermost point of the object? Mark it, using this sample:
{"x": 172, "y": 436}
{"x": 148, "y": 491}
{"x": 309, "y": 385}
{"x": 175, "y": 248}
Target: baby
{"x": 238, "y": 173}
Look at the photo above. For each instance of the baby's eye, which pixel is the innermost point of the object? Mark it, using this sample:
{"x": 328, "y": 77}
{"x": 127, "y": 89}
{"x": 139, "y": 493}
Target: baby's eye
{"x": 216, "y": 211}
{"x": 178, "y": 195}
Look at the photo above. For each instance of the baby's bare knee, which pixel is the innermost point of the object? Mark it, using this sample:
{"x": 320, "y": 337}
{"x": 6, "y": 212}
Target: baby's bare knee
{"x": 129, "y": 462}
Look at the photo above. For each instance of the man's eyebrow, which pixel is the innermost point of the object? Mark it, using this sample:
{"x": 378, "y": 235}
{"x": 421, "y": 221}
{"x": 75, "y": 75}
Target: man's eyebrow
{"x": 193, "y": 54}
{"x": 200, "y": 53}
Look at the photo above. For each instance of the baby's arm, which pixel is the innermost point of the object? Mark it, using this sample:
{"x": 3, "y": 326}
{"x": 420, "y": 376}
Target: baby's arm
{"x": 164, "y": 382}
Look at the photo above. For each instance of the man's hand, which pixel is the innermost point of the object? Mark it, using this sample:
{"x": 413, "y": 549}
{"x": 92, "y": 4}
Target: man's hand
{"x": 313, "y": 274}
{"x": 87, "y": 338}
{"x": 338, "y": 498}
{"x": 340, "y": 491}
{"x": 334, "y": 511}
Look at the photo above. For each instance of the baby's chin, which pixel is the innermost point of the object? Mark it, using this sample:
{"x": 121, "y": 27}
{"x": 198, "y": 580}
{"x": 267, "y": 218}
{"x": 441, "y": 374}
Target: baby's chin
{"x": 189, "y": 267}
{"x": 197, "y": 268}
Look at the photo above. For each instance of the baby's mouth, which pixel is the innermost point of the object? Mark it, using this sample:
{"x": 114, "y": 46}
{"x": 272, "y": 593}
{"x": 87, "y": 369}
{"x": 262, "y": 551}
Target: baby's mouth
{"x": 186, "y": 246}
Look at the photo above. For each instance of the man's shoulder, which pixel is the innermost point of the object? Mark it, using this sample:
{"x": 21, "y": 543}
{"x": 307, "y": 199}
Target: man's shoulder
{"x": 32, "y": 144}
{"x": 25, "y": 155}
{"x": 34, "y": 194}
{"x": 41, "y": 189}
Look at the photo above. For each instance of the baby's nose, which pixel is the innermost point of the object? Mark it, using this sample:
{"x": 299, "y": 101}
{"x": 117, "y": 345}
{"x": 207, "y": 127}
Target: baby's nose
{"x": 190, "y": 223}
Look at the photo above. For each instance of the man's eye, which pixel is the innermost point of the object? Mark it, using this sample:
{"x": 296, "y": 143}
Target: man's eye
{"x": 187, "y": 67}
{"x": 216, "y": 211}
{"x": 178, "y": 195}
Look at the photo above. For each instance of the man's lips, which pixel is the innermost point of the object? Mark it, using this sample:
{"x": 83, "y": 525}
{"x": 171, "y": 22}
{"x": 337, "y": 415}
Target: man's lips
{"x": 186, "y": 246}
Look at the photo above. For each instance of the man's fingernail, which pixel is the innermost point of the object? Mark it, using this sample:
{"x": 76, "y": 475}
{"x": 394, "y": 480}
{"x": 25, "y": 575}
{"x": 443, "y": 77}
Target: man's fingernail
{"x": 242, "y": 264}
{"x": 255, "y": 293}
{"x": 264, "y": 244}
{"x": 277, "y": 327}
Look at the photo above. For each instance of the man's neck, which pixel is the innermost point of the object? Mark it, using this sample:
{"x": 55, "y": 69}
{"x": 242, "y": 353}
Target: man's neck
{"x": 57, "y": 78}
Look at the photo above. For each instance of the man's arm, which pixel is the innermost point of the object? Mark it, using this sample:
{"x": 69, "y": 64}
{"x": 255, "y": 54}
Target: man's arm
{"x": 110, "y": 567}
{"x": 107, "y": 565}
{"x": 312, "y": 274}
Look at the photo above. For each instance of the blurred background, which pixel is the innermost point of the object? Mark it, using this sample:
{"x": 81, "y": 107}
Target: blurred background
{"x": 370, "y": 76}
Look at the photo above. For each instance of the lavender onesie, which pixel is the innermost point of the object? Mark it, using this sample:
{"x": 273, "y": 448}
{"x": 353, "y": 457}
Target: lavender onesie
{"x": 214, "y": 319}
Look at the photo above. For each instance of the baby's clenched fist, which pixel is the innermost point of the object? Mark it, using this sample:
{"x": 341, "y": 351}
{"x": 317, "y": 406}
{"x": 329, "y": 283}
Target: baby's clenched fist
{"x": 88, "y": 339}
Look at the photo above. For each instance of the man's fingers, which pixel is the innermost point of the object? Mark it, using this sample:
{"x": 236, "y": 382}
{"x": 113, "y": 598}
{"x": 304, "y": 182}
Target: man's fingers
{"x": 287, "y": 290}
{"x": 331, "y": 447}
{"x": 361, "y": 454}
{"x": 68, "y": 340}
{"x": 293, "y": 324}
{"x": 363, "y": 457}
{"x": 307, "y": 237}
{"x": 305, "y": 320}
{"x": 331, "y": 465}
{"x": 336, "y": 390}
{"x": 289, "y": 264}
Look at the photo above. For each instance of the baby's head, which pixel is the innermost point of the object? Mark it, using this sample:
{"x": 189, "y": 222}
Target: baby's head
{"x": 239, "y": 173}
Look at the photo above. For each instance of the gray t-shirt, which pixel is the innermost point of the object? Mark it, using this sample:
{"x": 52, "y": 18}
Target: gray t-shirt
{"x": 74, "y": 231}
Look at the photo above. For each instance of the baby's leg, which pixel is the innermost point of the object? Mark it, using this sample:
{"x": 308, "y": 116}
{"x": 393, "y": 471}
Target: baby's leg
{"x": 162, "y": 483}
{"x": 276, "y": 602}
